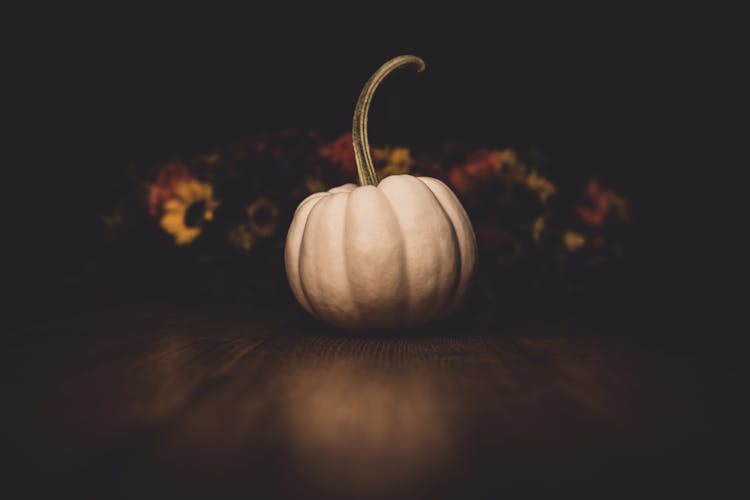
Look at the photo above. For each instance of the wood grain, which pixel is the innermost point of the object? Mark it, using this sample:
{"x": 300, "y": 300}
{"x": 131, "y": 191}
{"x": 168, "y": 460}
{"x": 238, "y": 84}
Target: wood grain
{"x": 232, "y": 402}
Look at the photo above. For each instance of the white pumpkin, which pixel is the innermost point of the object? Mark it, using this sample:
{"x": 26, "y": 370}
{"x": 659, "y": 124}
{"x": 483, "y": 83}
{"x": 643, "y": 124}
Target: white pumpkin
{"x": 383, "y": 255}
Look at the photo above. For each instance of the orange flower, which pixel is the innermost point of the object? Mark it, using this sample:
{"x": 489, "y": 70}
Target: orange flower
{"x": 163, "y": 188}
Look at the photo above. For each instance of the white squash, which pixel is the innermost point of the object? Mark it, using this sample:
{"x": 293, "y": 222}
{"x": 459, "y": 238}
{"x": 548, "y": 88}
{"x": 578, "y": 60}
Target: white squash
{"x": 383, "y": 255}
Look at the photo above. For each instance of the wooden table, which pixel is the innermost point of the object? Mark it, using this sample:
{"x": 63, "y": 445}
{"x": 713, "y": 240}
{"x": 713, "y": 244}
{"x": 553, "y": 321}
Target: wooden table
{"x": 228, "y": 402}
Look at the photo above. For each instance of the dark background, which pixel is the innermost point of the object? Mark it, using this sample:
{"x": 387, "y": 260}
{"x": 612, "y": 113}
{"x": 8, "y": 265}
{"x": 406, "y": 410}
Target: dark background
{"x": 117, "y": 399}
{"x": 607, "y": 94}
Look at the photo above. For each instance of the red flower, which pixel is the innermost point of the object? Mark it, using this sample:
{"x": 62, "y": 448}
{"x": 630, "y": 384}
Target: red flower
{"x": 597, "y": 242}
{"x": 341, "y": 153}
{"x": 503, "y": 245}
{"x": 162, "y": 189}
{"x": 489, "y": 235}
{"x": 256, "y": 144}
{"x": 596, "y": 214}
{"x": 482, "y": 164}
{"x": 250, "y": 148}
{"x": 460, "y": 180}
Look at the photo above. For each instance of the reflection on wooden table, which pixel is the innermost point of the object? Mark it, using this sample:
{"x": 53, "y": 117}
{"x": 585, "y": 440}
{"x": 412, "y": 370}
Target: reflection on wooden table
{"x": 230, "y": 402}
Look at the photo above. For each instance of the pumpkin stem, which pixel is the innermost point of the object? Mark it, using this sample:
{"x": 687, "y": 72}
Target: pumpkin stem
{"x": 365, "y": 169}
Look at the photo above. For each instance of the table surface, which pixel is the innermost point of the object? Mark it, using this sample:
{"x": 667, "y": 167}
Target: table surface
{"x": 227, "y": 401}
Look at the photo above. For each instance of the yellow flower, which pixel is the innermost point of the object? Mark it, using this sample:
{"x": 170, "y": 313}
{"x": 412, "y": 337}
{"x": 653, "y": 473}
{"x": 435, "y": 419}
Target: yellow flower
{"x": 391, "y": 170}
{"x": 211, "y": 159}
{"x": 504, "y": 158}
{"x": 399, "y": 163}
{"x": 261, "y": 217}
{"x": 538, "y": 228}
{"x": 573, "y": 241}
{"x": 619, "y": 206}
{"x": 314, "y": 184}
{"x": 541, "y": 186}
{"x": 113, "y": 220}
{"x": 401, "y": 157}
{"x": 191, "y": 207}
{"x": 380, "y": 154}
{"x": 241, "y": 237}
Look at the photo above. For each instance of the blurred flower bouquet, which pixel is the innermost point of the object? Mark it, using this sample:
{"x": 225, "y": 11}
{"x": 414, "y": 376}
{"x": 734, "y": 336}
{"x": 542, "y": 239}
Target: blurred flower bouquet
{"x": 221, "y": 217}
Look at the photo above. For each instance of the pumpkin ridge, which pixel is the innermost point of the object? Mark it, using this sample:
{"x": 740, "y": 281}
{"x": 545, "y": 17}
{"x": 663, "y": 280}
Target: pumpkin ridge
{"x": 346, "y": 256}
{"x": 309, "y": 199}
{"x": 457, "y": 256}
{"x": 438, "y": 309}
{"x": 299, "y": 257}
{"x": 294, "y": 244}
{"x": 462, "y": 222}
{"x": 402, "y": 264}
